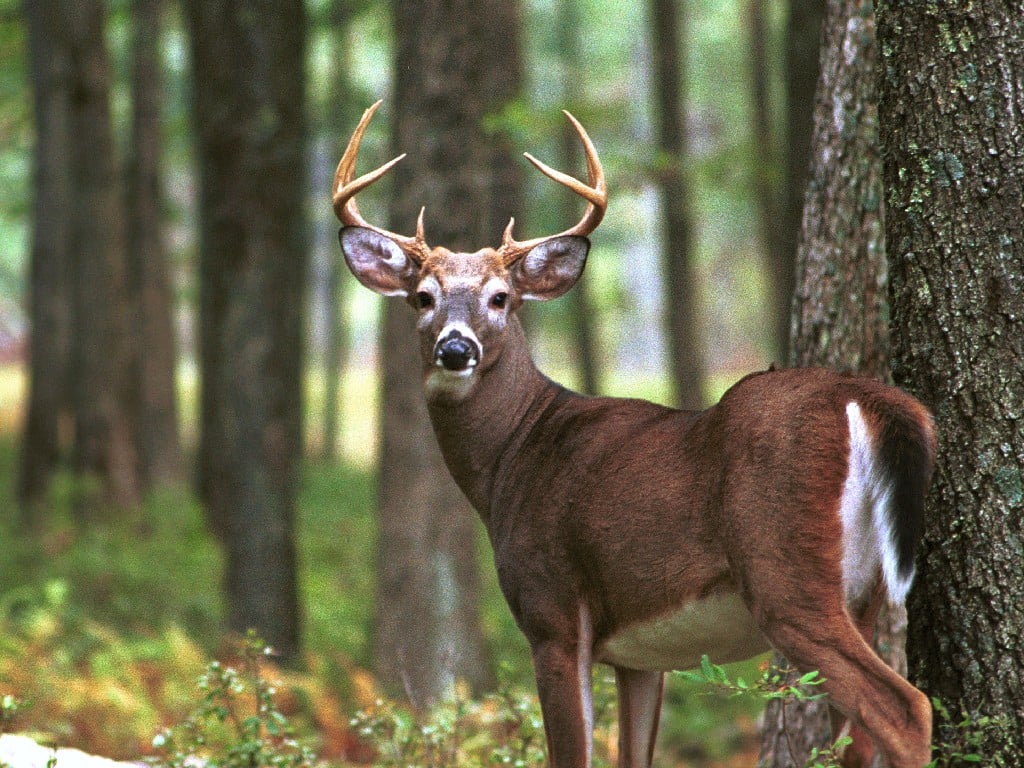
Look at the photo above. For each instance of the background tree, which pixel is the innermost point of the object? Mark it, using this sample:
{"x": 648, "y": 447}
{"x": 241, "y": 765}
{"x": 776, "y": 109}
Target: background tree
{"x": 248, "y": 65}
{"x": 681, "y": 296}
{"x": 50, "y": 259}
{"x": 427, "y": 628}
{"x": 840, "y": 309}
{"x": 153, "y": 401}
{"x": 104, "y": 444}
{"x": 953, "y": 136}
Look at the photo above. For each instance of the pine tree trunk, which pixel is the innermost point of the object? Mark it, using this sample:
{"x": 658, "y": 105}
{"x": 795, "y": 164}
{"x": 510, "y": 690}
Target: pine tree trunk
{"x": 49, "y": 287}
{"x": 154, "y": 400}
{"x": 840, "y": 308}
{"x": 952, "y": 100}
{"x": 249, "y": 85}
{"x": 427, "y": 625}
{"x": 681, "y": 296}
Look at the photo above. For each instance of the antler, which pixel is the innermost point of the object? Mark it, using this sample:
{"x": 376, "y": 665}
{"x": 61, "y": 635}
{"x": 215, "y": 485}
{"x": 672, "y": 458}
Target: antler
{"x": 346, "y": 189}
{"x": 596, "y": 195}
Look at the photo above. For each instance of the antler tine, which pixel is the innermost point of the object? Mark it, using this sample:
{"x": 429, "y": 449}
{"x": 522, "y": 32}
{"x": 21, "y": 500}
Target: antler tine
{"x": 345, "y": 189}
{"x": 595, "y": 192}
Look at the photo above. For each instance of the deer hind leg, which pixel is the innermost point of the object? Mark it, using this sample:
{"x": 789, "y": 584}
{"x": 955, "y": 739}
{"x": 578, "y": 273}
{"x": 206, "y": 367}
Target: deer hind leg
{"x": 861, "y": 687}
{"x": 639, "y": 710}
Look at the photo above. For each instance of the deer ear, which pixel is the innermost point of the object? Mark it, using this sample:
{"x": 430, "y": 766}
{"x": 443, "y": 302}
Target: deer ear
{"x": 551, "y": 269}
{"x": 377, "y": 261}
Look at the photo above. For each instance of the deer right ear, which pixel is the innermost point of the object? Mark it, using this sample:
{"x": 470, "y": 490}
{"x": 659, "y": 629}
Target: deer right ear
{"x": 377, "y": 261}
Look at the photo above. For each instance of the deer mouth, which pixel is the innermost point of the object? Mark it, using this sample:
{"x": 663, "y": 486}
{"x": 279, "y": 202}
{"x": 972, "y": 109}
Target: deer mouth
{"x": 457, "y": 352}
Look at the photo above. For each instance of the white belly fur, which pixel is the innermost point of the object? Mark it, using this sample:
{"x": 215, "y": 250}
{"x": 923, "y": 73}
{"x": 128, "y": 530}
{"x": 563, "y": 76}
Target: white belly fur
{"x": 719, "y": 626}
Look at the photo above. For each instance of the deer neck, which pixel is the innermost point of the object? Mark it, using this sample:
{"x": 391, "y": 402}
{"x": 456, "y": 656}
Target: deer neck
{"x": 476, "y": 432}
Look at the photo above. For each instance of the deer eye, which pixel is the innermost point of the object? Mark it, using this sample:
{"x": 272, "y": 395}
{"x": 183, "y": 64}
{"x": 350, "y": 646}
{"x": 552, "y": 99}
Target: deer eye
{"x": 499, "y": 300}
{"x": 424, "y": 300}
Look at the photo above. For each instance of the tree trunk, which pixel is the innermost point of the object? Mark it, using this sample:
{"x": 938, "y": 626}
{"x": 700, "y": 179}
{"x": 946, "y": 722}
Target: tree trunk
{"x": 952, "y": 97}
{"x": 341, "y": 113}
{"x": 49, "y": 286}
{"x": 249, "y": 86}
{"x": 803, "y": 52}
{"x": 154, "y": 400}
{"x": 427, "y": 625}
{"x": 579, "y": 305}
{"x": 104, "y": 440}
{"x": 840, "y": 309}
{"x": 768, "y": 193}
{"x": 681, "y": 296}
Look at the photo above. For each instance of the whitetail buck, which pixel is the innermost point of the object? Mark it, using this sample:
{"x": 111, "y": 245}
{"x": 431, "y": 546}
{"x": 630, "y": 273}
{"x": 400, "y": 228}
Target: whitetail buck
{"x": 642, "y": 536}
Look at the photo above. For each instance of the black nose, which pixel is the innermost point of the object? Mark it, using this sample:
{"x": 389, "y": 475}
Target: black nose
{"x": 455, "y": 352}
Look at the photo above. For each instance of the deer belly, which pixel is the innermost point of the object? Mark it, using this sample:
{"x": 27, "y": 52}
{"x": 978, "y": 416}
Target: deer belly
{"x": 719, "y": 626}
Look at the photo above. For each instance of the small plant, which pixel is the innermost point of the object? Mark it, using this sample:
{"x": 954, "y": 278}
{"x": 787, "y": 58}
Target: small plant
{"x": 774, "y": 684}
{"x": 959, "y": 740}
{"x": 9, "y": 708}
{"x": 237, "y": 723}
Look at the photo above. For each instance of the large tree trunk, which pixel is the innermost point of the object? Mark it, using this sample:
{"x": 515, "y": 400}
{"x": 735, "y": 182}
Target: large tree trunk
{"x": 154, "y": 400}
{"x": 249, "y": 85}
{"x": 49, "y": 284}
{"x": 104, "y": 440}
{"x": 681, "y": 310}
{"x": 952, "y": 100}
{"x": 840, "y": 308}
{"x": 427, "y": 625}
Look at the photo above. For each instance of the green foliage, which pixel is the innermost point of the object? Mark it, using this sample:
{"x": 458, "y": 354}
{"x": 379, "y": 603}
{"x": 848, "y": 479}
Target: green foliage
{"x": 959, "y": 740}
{"x": 773, "y": 684}
{"x": 501, "y": 729}
{"x": 237, "y": 723}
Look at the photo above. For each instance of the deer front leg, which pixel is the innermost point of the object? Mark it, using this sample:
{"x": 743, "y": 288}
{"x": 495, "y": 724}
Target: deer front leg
{"x": 563, "y": 684}
{"x": 639, "y": 709}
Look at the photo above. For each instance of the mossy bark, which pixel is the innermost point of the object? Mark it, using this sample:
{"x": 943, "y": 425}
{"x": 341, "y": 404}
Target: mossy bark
{"x": 952, "y": 111}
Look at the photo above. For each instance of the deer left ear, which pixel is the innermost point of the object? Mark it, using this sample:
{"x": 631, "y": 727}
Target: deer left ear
{"x": 551, "y": 268}
{"x": 377, "y": 261}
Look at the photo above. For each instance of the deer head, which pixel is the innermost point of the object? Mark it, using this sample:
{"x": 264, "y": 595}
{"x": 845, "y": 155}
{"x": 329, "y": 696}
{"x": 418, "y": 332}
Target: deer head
{"x": 464, "y": 301}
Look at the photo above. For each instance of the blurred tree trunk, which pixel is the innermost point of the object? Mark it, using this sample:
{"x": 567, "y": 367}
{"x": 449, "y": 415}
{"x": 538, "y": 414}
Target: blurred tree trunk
{"x": 840, "y": 310}
{"x": 580, "y": 307}
{"x": 681, "y": 296}
{"x": 49, "y": 282}
{"x": 803, "y": 51}
{"x": 154, "y": 399}
{"x": 952, "y": 100}
{"x": 427, "y": 625}
{"x": 769, "y": 189}
{"x": 249, "y": 91}
{"x": 340, "y": 115}
{"x": 105, "y": 450}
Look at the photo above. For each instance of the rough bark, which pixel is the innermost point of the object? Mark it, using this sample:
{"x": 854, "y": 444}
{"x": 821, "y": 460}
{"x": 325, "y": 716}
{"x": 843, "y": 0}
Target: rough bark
{"x": 681, "y": 311}
{"x": 952, "y": 111}
{"x": 104, "y": 449}
{"x": 427, "y": 625}
{"x": 154, "y": 396}
{"x": 49, "y": 286}
{"x": 249, "y": 86}
{"x": 840, "y": 306}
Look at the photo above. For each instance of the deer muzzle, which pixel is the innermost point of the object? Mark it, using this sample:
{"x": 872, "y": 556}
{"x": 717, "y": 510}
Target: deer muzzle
{"x": 456, "y": 352}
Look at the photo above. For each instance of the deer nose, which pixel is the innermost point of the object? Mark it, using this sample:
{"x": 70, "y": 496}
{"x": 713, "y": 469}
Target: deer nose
{"x": 455, "y": 352}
